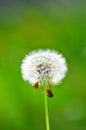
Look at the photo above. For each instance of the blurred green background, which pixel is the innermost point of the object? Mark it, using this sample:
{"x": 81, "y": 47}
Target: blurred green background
{"x": 29, "y": 25}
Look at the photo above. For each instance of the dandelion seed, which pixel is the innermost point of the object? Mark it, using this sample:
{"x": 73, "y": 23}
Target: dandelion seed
{"x": 43, "y": 68}
{"x": 49, "y": 92}
{"x": 36, "y": 85}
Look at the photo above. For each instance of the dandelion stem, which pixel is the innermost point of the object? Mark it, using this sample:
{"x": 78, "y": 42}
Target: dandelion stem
{"x": 46, "y": 112}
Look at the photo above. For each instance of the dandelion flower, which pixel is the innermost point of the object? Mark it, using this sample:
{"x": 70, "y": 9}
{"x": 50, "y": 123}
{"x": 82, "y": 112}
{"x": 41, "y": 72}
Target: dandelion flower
{"x": 43, "y": 66}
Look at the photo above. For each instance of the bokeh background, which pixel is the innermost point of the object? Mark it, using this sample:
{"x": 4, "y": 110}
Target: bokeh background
{"x": 27, "y": 25}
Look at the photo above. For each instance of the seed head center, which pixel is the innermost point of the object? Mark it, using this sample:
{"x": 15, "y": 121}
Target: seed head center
{"x": 44, "y": 69}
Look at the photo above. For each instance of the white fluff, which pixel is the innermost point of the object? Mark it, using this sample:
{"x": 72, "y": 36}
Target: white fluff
{"x": 54, "y": 66}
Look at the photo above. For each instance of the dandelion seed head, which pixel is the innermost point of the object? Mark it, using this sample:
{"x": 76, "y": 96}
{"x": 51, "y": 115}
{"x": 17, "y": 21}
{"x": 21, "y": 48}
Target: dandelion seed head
{"x": 44, "y": 65}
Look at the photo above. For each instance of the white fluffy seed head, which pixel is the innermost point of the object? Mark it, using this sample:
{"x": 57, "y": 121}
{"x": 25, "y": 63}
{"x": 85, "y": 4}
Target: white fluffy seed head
{"x": 42, "y": 65}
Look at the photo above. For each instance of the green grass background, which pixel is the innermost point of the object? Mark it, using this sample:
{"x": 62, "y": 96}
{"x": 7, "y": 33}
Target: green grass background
{"x": 22, "y": 107}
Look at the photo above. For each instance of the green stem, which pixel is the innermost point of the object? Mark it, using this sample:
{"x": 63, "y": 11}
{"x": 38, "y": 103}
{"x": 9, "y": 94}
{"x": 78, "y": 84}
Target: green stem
{"x": 46, "y": 112}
